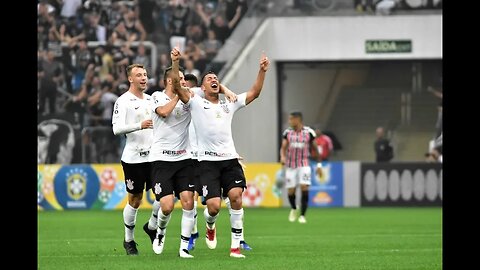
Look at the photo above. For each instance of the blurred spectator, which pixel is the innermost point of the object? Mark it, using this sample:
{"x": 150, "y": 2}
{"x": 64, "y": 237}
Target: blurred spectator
{"x": 81, "y": 58}
{"x": 121, "y": 35}
{"x": 383, "y": 149}
{"x": 190, "y": 68}
{"x": 93, "y": 30}
{"x": 178, "y": 26}
{"x": 141, "y": 57}
{"x": 54, "y": 44}
{"x": 134, "y": 26}
{"x": 145, "y": 10}
{"x": 104, "y": 60}
{"x": 223, "y": 29}
{"x": 49, "y": 73}
{"x": 211, "y": 45}
{"x": 324, "y": 144}
{"x": 363, "y": 5}
{"x": 70, "y": 8}
{"x": 194, "y": 53}
{"x": 231, "y": 9}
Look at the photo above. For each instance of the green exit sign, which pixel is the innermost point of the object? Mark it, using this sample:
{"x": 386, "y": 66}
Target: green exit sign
{"x": 388, "y": 46}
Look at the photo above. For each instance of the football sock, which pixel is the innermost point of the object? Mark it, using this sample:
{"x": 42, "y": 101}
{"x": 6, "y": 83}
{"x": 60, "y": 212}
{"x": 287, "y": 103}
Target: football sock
{"x": 129, "y": 219}
{"x": 210, "y": 220}
{"x": 152, "y": 222}
{"x": 236, "y": 221}
{"x": 304, "y": 202}
{"x": 162, "y": 221}
{"x": 186, "y": 229}
{"x": 291, "y": 199}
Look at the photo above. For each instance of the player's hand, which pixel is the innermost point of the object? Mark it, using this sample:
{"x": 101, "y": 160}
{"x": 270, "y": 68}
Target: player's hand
{"x": 147, "y": 124}
{"x": 282, "y": 160}
{"x": 175, "y": 54}
{"x": 229, "y": 95}
{"x": 264, "y": 62}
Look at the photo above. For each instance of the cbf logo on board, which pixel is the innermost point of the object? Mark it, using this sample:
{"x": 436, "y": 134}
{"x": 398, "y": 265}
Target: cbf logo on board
{"x": 76, "y": 187}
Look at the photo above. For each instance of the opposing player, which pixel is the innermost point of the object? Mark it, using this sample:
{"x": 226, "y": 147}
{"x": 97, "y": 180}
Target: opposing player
{"x": 132, "y": 118}
{"x": 220, "y": 170}
{"x": 298, "y": 140}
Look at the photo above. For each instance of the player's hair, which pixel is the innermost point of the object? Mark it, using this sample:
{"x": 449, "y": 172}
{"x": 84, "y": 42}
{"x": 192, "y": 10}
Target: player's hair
{"x": 204, "y": 75}
{"x": 192, "y": 78}
{"x": 168, "y": 73}
{"x": 297, "y": 114}
{"x": 132, "y": 66}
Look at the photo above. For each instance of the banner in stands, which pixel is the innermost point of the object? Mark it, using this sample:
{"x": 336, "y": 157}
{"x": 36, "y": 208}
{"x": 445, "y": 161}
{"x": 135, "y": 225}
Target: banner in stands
{"x": 401, "y": 184}
{"x": 101, "y": 186}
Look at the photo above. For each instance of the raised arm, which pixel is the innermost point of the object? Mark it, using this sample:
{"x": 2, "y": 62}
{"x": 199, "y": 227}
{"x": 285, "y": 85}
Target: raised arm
{"x": 254, "y": 92}
{"x": 182, "y": 92}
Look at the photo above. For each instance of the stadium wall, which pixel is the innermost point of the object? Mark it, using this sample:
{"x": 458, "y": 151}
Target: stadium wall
{"x": 342, "y": 184}
{"x": 300, "y": 39}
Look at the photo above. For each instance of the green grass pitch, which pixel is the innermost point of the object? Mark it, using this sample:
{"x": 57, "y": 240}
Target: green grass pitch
{"x": 332, "y": 238}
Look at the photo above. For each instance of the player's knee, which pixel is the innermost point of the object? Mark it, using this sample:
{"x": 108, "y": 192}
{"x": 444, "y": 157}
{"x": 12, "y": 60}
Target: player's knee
{"x": 304, "y": 187}
{"x": 213, "y": 207}
{"x": 166, "y": 205}
{"x": 135, "y": 200}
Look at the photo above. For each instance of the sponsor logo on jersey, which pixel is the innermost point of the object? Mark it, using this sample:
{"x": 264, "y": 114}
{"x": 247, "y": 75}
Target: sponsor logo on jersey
{"x": 174, "y": 152}
{"x": 297, "y": 144}
{"x": 216, "y": 154}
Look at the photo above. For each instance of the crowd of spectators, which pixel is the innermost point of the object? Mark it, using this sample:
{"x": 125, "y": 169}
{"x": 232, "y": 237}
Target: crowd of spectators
{"x": 84, "y": 47}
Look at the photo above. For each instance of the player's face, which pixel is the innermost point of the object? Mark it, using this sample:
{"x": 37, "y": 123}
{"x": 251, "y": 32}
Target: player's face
{"x": 138, "y": 78}
{"x": 211, "y": 84}
{"x": 182, "y": 79}
{"x": 293, "y": 121}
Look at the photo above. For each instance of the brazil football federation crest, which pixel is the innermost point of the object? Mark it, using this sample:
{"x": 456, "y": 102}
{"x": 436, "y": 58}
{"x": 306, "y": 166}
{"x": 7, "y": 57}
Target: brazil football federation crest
{"x": 76, "y": 186}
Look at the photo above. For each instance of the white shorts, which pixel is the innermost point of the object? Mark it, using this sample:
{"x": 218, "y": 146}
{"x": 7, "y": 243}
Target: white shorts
{"x": 298, "y": 176}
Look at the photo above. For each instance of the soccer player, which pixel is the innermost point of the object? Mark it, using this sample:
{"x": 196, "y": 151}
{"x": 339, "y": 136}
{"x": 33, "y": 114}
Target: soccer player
{"x": 220, "y": 170}
{"x": 132, "y": 118}
{"x": 298, "y": 140}
{"x": 172, "y": 165}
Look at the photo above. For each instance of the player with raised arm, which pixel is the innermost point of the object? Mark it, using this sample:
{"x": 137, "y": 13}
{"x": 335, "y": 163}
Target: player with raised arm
{"x": 298, "y": 140}
{"x": 132, "y": 118}
{"x": 220, "y": 170}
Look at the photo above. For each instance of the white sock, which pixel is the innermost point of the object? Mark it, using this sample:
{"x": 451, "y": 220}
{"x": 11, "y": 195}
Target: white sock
{"x": 236, "y": 221}
{"x": 162, "y": 222}
{"x": 186, "y": 229}
{"x": 227, "y": 203}
{"x": 129, "y": 220}
{"x": 210, "y": 220}
{"x": 194, "y": 229}
{"x": 152, "y": 222}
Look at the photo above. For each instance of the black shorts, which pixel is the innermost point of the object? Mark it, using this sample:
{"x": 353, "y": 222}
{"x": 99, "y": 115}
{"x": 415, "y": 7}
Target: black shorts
{"x": 137, "y": 176}
{"x": 196, "y": 173}
{"x": 217, "y": 177}
{"x": 172, "y": 177}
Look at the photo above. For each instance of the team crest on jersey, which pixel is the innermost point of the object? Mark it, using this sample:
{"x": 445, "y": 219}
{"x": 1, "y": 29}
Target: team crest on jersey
{"x": 186, "y": 107}
{"x": 225, "y": 108}
{"x": 158, "y": 189}
{"x": 76, "y": 186}
{"x": 129, "y": 184}
{"x": 204, "y": 191}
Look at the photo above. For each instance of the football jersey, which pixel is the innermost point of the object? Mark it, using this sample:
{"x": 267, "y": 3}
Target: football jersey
{"x": 298, "y": 148}
{"x": 213, "y": 126}
{"x": 192, "y": 136}
{"x": 128, "y": 113}
{"x": 170, "y": 134}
